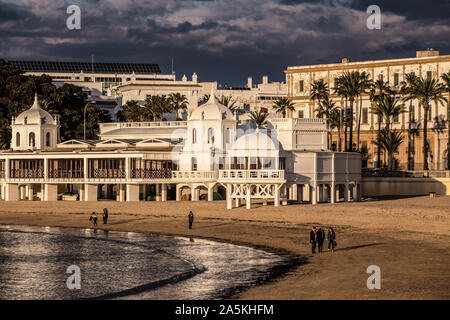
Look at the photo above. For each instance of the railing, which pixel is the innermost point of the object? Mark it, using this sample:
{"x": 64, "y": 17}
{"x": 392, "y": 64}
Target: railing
{"x": 406, "y": 174}
{"x": 251, "y": 174}
{"x": 105, "y": 127}
{"x": 151, "y": 174}
{"x": 194, "y": 175}
{"x": 62, "y": 174}
{"x": 27, "y": 174}
{"x": 107, "y": 174}
{"x": 2, "y": 174}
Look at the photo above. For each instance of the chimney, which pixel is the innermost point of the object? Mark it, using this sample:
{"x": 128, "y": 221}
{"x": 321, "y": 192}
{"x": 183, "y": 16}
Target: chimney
{"x": 345, "y": 60}
{"x": 249, "y": 82}
{"x": 265, "y": 80}
{"x": 430, "y": 52}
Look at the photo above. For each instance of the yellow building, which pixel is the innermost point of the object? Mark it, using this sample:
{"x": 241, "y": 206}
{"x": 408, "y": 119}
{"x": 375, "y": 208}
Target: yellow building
{"x": 427, "y": 63}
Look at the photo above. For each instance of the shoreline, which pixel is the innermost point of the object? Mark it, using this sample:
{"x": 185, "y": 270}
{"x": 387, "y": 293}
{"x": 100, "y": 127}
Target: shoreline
{"x": 411, "y": 251}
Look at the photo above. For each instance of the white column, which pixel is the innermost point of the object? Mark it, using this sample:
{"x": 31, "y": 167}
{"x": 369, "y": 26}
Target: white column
{"x": 2, "y": 191}
{"x": 163, "y": 192}
{"x": 132, "y": 192}
{"x": 90, "y": 192}
{"x": 237, "y": 202}
{"x": 51, "y": 192}
{"x": 229, "y": 200}
{"x": 42, "y": 192}
{"x": 332, "y": 193}
{"x": 178, "y": 195}
{"x": 337, "y": 193}
{"x": 12, "y": 192}
{"x": 210, "y": 194}
{"x": 277, "y": 196}
{"x": 158, "y": 192}
{"x": 7, "y": 171}
{"x": 294, "y": 192}
{"x": 85, "y": 169}
{"x": 122, "y": 193}
{"x": 248, "y": 198}
{"x": 30, "y": 192}
{"x": 355, "y": 192}
{"x": 45, "y": 169}
{"x": 22, "y": 191}
{"x": 313, "y": 194}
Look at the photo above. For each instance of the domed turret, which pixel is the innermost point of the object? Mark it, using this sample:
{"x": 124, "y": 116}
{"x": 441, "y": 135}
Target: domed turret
{"x": 34, "y": 129}
{"x": 211, "y": 110}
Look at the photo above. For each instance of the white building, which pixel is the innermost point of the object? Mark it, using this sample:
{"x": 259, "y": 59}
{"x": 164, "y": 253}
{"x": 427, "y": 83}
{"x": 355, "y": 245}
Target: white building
{"x": 212, "y": 152}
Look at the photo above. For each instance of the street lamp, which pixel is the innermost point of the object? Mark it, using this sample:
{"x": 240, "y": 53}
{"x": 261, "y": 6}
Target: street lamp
{"x": 84, "y": 125}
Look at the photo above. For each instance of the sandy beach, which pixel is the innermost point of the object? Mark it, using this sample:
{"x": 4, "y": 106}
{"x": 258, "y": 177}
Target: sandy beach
{"x": 408, "y": 238}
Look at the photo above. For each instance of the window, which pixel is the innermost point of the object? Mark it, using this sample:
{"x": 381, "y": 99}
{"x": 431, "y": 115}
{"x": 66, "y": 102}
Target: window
{"x": 429, "y": 75}
{"x": 301, "y": 86}
{"x": 210, "y": 135}
{"x": 300, "y": 114}
{"x": 25, "y": 121}
{"x": 412, "y": 113}
{"x": 364, "y": 148}
{"x": 395, "y": 118}
{"x": 282, "y": 164}
{"x": 31, "y": 140}
{"x": 380, "y": 77}
{"x": 194, "y": 136}
{"x": 17, "y": 139}
{"x": 396, "y": 79}
{"x": 47, "y": 139}
{"x": 194, "y": 164}
{"x": 227, "y": 135}
{"x": 365, "y": 116}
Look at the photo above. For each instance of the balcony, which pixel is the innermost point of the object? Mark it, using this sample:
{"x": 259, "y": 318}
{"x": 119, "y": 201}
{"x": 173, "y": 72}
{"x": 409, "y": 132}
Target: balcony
{"x": 251, "y": 175}
{"x": 151, "y": 174}
{"x": 194, "y": 176}
{"x": 27, "y": 174}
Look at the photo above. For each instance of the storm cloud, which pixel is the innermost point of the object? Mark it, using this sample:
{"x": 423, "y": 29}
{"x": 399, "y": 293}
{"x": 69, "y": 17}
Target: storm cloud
{"x": 225, "y": 40}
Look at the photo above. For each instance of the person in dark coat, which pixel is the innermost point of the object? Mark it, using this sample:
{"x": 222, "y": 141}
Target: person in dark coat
{"x": 320, "y": 239}
{"x": 331, "y": 237}
{"x": 313, "y": 239}
{"x": 191, "y": 219}
{"x": 93, "y": 219}
{"x": 105, "y": 216}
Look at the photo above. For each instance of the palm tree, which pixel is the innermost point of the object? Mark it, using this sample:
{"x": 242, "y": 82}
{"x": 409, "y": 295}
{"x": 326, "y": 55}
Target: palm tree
{"x": 325, "y": 110}
{"x": 282, "y": 105}
{"x": 259, "y": 117}
{"x": 390, "y": 141}
{"x": 446, "y": 78}
{"x": 131, "y": 111}
{"x": 204, "y": 99}
{"x": 178, "y": 102}
{"x": 364, "y": 84}
{"x": 334, "y": 121}
{"x": 157, "y": 106}
{"x": 390, "y": 109}
{"x": 228, "y": 102}
{"x": 405, "y": 88}
{"x": 348, "y": 86}
{"x": 377, "y": 91}
{"x": 426, "y": 91}
{"x": 319, "y": 92}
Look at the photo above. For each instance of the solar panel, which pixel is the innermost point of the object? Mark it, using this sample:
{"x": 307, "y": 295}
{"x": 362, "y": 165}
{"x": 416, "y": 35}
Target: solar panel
{"x": 86, "y": 67}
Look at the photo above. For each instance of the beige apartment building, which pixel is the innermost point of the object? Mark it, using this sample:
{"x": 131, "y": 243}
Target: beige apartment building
{"x": 428, "y": 63}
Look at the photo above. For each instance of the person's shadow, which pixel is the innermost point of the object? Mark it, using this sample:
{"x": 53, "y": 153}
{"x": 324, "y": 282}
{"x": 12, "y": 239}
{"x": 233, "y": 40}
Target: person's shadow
{"x": 358, "y": 247}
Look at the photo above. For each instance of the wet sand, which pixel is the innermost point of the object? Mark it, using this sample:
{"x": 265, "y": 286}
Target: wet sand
{"x": 409, "y": 239}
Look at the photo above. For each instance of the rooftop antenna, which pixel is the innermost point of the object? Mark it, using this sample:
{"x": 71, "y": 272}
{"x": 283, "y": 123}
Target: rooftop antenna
{"x": 172, "y": 67}
{"x": 92, "y": 63}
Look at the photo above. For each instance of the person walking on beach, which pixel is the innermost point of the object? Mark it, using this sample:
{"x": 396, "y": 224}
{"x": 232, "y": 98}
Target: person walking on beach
{"x": 191, "y": 219}
{"x": 93, "y": 219}
{"x": 331, "y": 237}
{"x": 313, "y": 239}
{"x": 320, "y": 239}
{"x": 105, "y": 216}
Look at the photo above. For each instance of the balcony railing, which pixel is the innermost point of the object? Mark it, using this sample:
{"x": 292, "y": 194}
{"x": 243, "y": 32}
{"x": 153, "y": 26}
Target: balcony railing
{"x": 195, "y": 175}
{"x": 27, "y": 174}
{"x": 107, "y": 174}
{"x": 233, "y": 175}
{"x": 151, "y": 174}
{"x": 64, "y": 174}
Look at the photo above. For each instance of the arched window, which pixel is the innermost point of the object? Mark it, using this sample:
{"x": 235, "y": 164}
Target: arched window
{"x": 210, "y": 135}
{"x": 31, "y": 140}
{"x": 17, "y": 139}
{"x": 25, "y": 121}
{"x": 194, "y": 136}
{"x": 47, "y": 139}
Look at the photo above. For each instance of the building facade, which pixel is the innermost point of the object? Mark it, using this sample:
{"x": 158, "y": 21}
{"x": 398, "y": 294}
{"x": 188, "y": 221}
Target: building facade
{"x": 426, "y": 64}
{"x": 211, "y": 154}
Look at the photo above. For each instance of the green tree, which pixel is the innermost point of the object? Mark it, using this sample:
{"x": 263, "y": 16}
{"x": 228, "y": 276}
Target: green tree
{"x": 364, "y": 84}
{"x": 446, "y": 79}
{"x": 319, "y": 92}
{"x": 390, "y": 141}
{"x": 426, "y": 91}
{"x": 260, "y": 118}
{"x": 283, "y": 105}
{"x": 131, "y": 111}
{"x": 325, "y": 110}
{"x": 178, "y": 102}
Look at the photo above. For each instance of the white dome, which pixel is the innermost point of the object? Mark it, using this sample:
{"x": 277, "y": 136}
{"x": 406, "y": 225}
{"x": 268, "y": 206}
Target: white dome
{"x": 34, "y": 115}
{"x": 211, "y": 110}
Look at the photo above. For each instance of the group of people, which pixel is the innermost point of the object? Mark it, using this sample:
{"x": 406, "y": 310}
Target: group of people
{"x": 94, "y": 218}
{"x": 317, "y": 238}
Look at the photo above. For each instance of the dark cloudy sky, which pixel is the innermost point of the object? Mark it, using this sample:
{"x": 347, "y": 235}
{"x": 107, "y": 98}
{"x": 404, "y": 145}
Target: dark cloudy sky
{"x": 224, "y": 40}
